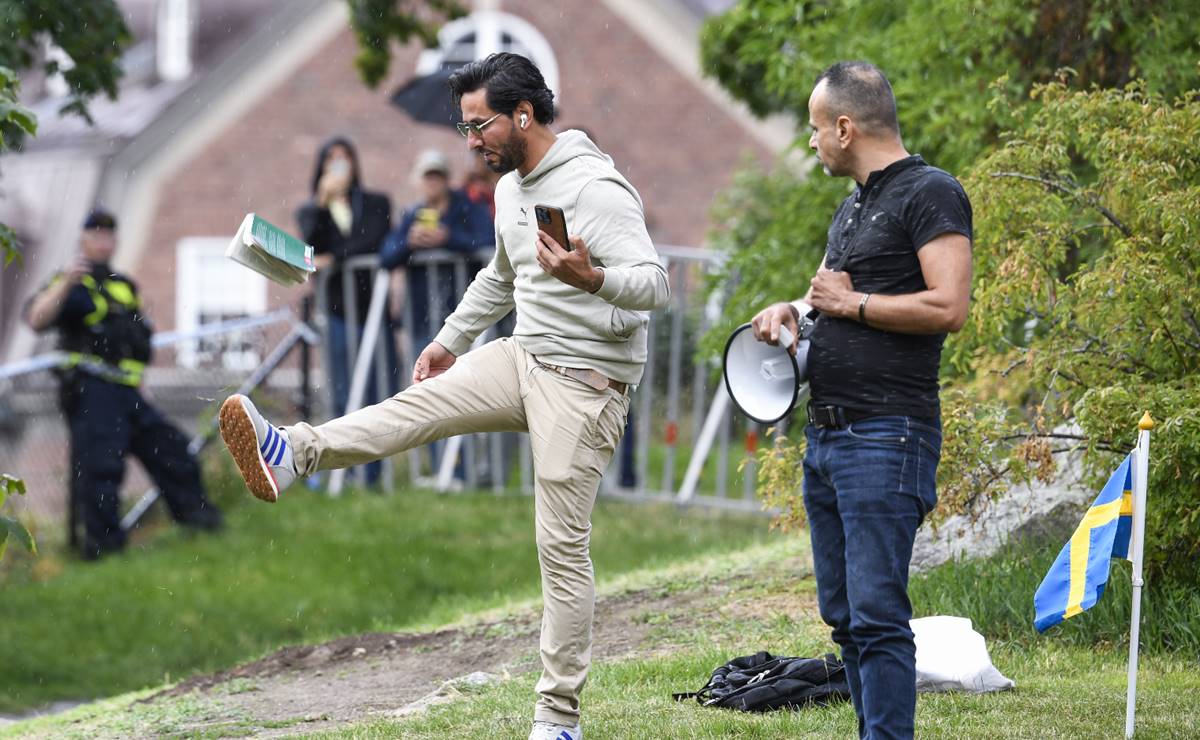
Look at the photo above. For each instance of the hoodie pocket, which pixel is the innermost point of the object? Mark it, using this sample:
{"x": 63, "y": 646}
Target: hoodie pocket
{"x": 624, "y": 324}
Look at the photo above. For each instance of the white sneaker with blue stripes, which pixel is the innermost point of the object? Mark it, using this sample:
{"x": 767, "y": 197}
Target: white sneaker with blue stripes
{"x": 551, "y": 731}
{"x": 262, "y": 452}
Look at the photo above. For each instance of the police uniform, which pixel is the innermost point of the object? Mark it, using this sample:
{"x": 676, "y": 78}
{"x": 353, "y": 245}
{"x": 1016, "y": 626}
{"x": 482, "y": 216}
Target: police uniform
{"x": 106, "y": 341}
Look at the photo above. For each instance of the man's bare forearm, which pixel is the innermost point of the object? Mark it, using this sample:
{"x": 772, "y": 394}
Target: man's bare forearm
{"x": 927, "y": 312}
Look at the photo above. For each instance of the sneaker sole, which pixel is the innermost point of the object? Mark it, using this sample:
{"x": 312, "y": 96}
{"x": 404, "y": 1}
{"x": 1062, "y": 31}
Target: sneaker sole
{"x": 237, "y": 430}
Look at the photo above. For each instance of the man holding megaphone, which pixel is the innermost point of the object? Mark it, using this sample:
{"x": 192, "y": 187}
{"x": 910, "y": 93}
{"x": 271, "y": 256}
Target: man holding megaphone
{"x": 895, "y": 280}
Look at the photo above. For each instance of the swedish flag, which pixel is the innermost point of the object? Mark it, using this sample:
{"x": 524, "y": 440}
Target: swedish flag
{"x": 1077, "y": 578}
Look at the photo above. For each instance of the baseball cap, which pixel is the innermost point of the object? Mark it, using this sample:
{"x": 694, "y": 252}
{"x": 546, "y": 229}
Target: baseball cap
{"x": 99, "y": 218}
{"x": 431, "y": 160}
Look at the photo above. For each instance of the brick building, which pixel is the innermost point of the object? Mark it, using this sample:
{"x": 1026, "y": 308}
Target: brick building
{"x": 223, "y": 106}
{"x": 180, "y": 161}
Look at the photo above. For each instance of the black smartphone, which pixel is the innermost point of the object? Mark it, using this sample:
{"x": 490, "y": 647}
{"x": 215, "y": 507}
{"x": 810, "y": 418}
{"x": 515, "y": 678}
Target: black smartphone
{"x": 551, "y": 220}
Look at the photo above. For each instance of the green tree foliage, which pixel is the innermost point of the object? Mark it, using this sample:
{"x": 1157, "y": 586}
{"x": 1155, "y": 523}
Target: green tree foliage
{"x": 1087, "y": 221}
{"x": 15, "y": 121}
{"x": 10, "y": 527}
{"x": 943, "y": 58}
{"x": 771, "y": 227}
{"x": 1084, "y": 311}
{"x": 379, "y": 23}
{"x": 1086, "y": 213}
{"x": 92, "y": 34}
{"x": 942, "y": 55}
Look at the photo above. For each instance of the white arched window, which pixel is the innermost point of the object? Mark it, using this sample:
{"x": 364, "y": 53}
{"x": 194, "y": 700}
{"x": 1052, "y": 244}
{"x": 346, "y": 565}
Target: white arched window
{"x": 487, "y": 31}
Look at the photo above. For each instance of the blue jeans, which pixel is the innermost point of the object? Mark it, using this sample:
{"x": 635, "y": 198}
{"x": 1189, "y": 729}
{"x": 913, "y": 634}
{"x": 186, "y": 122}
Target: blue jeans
{"x": 866, "y": 489}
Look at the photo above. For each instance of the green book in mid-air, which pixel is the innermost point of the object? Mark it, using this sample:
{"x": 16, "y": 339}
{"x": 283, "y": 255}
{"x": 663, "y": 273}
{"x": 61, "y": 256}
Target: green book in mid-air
{"x": 270, "y": 251}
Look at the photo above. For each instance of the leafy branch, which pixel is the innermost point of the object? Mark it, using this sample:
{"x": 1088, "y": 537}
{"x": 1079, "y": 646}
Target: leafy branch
{"x": 378, "y": 24}
{"x": 16, "y": 121}
{"x": 92, "y": 35}
{"x": 1088, "y": 199}
{"x": 10, "y": 526}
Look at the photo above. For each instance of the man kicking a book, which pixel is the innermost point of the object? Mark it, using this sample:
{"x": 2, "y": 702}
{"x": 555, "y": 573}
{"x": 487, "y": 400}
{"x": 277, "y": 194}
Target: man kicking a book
{"x": 564, "y": 376}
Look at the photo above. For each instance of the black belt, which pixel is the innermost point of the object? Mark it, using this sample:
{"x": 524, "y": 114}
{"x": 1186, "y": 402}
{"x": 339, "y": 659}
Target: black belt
{"x": 834, "y": 417}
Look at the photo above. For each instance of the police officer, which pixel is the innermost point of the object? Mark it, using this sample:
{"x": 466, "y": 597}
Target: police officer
{"x": 106, "y": 340}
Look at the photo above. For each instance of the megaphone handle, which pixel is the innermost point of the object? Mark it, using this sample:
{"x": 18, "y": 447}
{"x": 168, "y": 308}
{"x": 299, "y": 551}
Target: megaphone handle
{"x": 785, "y": 336}
{"x": 809, "y": 324}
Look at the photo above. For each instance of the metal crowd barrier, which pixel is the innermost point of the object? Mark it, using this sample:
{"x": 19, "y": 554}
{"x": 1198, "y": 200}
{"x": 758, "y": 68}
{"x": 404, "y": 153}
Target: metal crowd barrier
{"x": 686, "y": 439}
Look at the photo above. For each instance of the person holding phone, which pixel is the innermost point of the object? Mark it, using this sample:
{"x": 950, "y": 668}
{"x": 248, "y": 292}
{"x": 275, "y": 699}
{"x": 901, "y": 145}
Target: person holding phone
{"x": 444, "y": 218}
{"x": 901, "y": 246}
{"x": 341, "y": 220}
{"x": 565, "y": 375}
{"x": 105, "y": 340}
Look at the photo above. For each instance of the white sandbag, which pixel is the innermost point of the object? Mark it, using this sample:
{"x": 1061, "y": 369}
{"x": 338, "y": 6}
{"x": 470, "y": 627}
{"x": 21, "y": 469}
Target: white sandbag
{"x": 951, "y": 656}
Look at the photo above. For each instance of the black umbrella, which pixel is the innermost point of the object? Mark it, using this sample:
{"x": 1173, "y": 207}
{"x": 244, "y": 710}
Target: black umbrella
{"x": 427, "y": 99}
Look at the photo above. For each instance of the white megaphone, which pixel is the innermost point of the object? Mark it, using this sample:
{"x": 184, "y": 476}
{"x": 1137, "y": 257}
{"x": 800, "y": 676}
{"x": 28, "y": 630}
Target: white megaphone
{"x": 764, "y": 380}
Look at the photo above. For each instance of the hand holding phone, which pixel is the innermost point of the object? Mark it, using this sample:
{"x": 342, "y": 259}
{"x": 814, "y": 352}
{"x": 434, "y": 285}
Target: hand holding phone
{"x": 429, "y": 217}
{"x": 551, "y": 220}
{"x": 76, "y": 269}
{"x": 574, "y": 268}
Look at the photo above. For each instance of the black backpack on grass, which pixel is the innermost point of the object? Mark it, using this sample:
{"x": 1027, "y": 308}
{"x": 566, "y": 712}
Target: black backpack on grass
{"x": 762, "y": 682}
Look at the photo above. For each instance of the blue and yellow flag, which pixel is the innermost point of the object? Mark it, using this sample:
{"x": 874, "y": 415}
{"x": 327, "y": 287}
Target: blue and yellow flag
{"x": 1077, "y": 578}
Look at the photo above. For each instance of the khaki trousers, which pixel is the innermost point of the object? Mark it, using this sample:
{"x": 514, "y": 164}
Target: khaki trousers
{"x": 573, "y": 430}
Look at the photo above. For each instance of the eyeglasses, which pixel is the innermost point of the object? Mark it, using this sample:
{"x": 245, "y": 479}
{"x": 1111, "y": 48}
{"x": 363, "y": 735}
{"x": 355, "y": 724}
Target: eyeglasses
{"x": 466, "y": 128}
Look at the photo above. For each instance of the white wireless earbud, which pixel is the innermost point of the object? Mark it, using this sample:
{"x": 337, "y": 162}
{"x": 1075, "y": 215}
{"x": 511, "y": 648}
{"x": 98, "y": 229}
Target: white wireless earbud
{"x": 524, "y": 120}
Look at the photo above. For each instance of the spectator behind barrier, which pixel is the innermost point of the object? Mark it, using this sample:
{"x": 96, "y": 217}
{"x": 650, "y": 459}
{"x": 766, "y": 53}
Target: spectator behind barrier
{"x": 480, "y": 184}
{"x": 342, "y": 220}
{"x": 444, "y": 218}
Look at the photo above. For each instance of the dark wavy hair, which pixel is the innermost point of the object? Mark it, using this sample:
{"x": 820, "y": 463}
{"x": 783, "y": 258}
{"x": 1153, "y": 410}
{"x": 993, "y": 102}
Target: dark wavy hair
{"x": 860, "y": 90}
{"x": 508, "y": 79}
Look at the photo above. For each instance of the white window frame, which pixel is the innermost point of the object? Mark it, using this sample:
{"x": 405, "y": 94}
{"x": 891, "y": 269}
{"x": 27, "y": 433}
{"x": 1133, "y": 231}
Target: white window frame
{"x": 489, "y": 27}
{"x": 238, "y": 291}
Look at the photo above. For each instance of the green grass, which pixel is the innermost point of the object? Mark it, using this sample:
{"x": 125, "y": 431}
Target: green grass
{"x": 758, "y": 597}
{"x": 656, "y": 457}
{"x": 997, "y": 593}
{"x": 1061, "y": 692}
{"x": 302, "y": 571}
{"x": 1063, "y": 689}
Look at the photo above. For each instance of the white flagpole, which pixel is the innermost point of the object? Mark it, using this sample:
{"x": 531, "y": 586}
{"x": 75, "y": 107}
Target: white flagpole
{"x": 1136, "y": 541}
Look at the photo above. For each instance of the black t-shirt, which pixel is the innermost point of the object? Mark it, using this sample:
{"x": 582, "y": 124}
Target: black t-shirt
{"x": 877, "y": 232}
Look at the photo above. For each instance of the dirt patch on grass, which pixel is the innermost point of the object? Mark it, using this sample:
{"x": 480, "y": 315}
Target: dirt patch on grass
{"x": 298, "y": 690}
{"x": 310, "y": 689}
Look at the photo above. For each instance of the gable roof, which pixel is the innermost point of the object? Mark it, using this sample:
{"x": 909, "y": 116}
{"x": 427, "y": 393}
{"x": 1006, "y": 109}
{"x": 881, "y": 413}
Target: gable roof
{"x": 218, "y": 27}
{"x": 70, "y": 165}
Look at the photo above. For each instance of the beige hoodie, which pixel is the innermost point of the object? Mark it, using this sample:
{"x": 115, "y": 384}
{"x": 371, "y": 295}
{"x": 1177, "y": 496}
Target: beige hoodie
{"x": 562, "y": 325}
